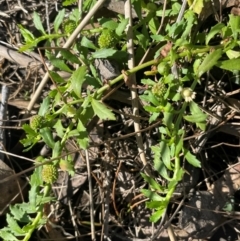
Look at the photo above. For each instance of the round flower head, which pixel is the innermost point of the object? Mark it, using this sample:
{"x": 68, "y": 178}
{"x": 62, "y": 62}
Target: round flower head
{"x": 187, "y": 93}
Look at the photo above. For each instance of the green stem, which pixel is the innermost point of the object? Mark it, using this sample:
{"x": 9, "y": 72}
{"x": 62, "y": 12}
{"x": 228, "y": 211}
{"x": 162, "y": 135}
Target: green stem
{"x": 38, "y": 218}
{"x": 185, "y": 53}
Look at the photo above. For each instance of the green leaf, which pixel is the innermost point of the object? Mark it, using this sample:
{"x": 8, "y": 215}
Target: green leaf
{"x": 150, "y": 97}
{"x": 38, "y": 23}
{"x": 103, "y": 53}
{"x": 77, "y": 79}
{"x": 32, "y": 195}
{"x": 56, "y": 152}
{"x": 151, "y": 195}
{"x": 34, "y": 42}
{"x": 153, "y": 117}
{"x": 157, "y": 215}
{"x": 58, "y": 20}
{"x": 160, "y": 168}
{"x": 85, "y": 42}
{"x": 165, "y": 154}
{"x": 121, "y": 27}
{"x": 232, "y": 54}
{"x": 68, "y": 2}
{"x": 234, "y": 22}
{"x": 67, "y": 55}
{"x": 82, "y": 139}
{"x": 36, "y": 177}
{"x": 7, "y": 236}
{"x": 44, "y": 107}
{"x": 179, "y": 145}
{"x": 214, "y": 30}
{"x": 56, "y": 77}
{"x": 154, "y": 185}
{"x": 197, "y": 6}
{"x": 59, "y": 128}
{"x": 148, "y": 82}
{"x": 27, "y": 35}
{"x": 209, "y": 61}
{"x": 60, "y": 64}
{"x": 191, "y": 158}
{"x": 143, "y": 40}
{"x": 153, "y": 25}
{"x": 108, "y": 23}
{"x": 196, "y": 118}
{"x": 102, "y": 111}
{"x": 47, "y": 136}
{"x": 231, "y": 65}
{"x": 202, "y": 125}
{"x": 13, "y": 225}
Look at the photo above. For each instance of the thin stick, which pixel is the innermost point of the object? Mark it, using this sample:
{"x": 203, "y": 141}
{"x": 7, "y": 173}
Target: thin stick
{"x": 3, "y": 111}
{"x": 131, "y": 64}
{"x": 90, "y": 195}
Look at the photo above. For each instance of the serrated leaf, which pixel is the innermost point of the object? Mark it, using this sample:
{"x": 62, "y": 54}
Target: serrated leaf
{"x": 213, "y": 31}
{"x": 157, "y": 215}
{"x": 121, "y": 27}
{"x": 191, "y": 158}
{"x": 17, "y": 212}
{"x": 82, "y": 139}
{"x": 231, "y": 65}
{"x": 151, "y": 195}
{"x": 77, "y": 79}
{"x": 7, "y": 236}
{"x": 66, "y": 54}
{"x": 154, "y": 185}
{"x": 38, "y": 23}
{"x": 44, "y": 107}
{"x": 85, "y": 42}
{"x": 13, "y": 225}
{"x": 32, "y": 196}
{"x": 102, "y": 111}
{"x": 103, "y": 53}
{"x": 59, "y": 128}
{"x": 60, "y": 64}
{"x": 47, "y": 136}
{"x": 36, "y": 177}
{"x": 209, "y": 61}
{"x": 58, "y": 20}
{"x": 56, "y": 77}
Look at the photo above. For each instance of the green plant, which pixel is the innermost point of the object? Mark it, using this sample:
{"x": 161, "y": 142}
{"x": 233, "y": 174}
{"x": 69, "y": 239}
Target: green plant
{"x": 107, "y": 39}
{"x": 167, "y": 97}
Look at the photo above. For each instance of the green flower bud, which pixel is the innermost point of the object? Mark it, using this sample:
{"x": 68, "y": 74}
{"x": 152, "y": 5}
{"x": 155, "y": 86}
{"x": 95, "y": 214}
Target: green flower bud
{"x": 69, "y": 26}
{"x": 49, "y": 173}
{"x": 107, "y": 39}
{"x": 159, "y": 89}
{"x": 36, "y": 121}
